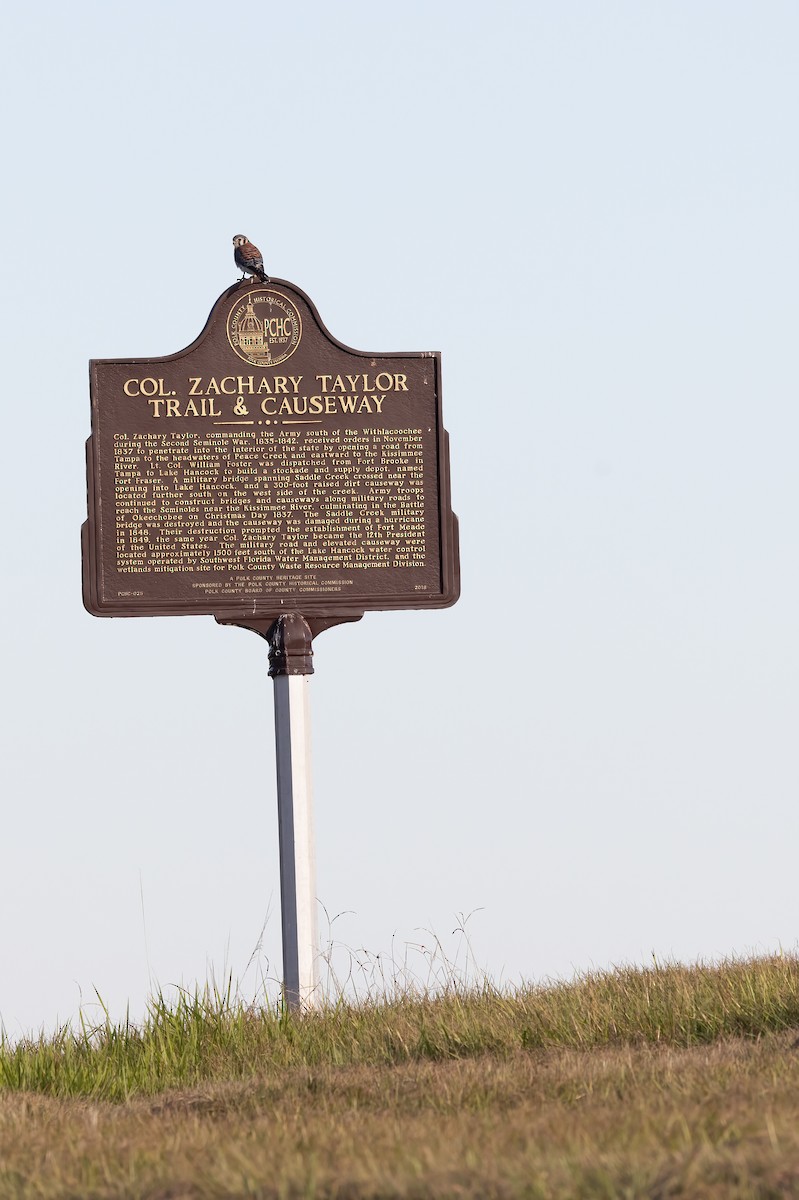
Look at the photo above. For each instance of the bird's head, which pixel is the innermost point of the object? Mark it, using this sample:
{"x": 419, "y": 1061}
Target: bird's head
{"x": 239, "y": 239}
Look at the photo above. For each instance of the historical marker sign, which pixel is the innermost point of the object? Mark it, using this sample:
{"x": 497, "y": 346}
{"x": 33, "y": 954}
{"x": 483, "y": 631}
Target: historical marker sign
{"x": 281, "y": 481}
{"x": 268, "y": 469}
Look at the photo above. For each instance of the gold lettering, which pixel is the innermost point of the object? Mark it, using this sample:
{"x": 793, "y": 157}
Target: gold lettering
{"x": 268, "y": 412}
{"x": 190, "y": 410}
{"x": 172, "y": 409}
{"x": 362, "y": 493}
{"x": 156, "y": 403}
{"x": 195, "y": 381}
{"x": 126, "y": 385}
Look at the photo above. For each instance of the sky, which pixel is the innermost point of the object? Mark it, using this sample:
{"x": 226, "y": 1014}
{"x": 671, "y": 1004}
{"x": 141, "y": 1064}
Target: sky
{"x": 590, "y": 210}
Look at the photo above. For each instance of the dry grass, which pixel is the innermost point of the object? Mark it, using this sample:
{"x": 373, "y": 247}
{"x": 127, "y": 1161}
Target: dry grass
{"x": 669, "y": 1083}
{"x": 711, "y": 1121}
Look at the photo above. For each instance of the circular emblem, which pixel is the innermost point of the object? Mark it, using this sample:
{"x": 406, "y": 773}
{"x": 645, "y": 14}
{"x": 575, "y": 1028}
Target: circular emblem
{"x": 264, "y": 327}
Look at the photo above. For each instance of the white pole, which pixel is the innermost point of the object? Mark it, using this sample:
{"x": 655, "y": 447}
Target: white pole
{"x": 290, "y": 640}
{"x": 297, "y": 841}
{"x": 290, "y": 664}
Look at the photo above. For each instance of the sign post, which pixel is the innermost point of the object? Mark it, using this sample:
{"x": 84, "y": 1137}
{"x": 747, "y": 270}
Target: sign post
{"x": 281, "y": 481}
{"x": 290, "y": 667}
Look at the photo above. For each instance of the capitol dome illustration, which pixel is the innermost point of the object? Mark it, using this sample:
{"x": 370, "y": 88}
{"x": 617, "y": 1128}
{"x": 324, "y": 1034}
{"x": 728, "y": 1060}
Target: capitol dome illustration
{"x": 251, "y": 337}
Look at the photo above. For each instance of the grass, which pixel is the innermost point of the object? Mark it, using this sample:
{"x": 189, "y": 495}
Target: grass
{"x": 672, "y": 1081}
{"x": 212, "y": 1036}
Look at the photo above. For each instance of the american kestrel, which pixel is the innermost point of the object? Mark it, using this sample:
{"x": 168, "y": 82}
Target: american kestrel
{"x": 248, "y": 258}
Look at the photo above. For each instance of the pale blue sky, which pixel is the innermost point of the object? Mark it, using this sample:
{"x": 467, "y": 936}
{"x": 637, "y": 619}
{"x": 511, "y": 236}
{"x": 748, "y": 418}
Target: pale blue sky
{"x": 591, "y": 210}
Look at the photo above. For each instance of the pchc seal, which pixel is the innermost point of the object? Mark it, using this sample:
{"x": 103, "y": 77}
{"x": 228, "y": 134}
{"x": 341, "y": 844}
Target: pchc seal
{"x": 264, "y": 327}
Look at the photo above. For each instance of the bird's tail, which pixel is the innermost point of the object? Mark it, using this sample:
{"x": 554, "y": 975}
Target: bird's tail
{"x": 264, "y": 278}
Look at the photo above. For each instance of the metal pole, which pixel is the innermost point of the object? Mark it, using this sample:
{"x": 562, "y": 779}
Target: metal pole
{"x": 290, "y": 658}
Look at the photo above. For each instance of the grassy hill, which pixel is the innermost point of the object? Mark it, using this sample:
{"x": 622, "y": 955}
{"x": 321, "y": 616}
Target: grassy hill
{"x": 666, "y": 1082}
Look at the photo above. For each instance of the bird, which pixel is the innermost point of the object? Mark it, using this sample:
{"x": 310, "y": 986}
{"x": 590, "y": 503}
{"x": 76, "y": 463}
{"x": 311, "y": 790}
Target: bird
{"x": 248, "y": 258}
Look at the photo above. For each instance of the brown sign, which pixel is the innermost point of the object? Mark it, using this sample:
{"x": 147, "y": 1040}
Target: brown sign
{"x": 267, "y": 469}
